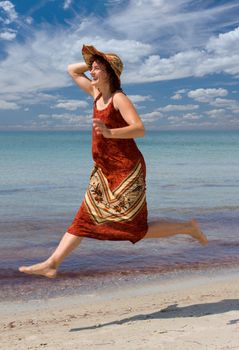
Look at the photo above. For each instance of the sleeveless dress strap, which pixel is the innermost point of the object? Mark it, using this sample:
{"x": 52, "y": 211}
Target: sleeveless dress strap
{"x": 111, "y": 102}
{"x": 97, "y": 97}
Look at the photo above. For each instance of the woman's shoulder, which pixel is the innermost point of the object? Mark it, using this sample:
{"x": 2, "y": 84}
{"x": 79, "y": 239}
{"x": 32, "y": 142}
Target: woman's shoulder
{"x": 118, "y": 98}
{"x": 119, "y": 93}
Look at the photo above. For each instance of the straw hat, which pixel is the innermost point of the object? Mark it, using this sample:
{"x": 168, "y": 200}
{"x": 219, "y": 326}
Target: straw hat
{"x": 115, "y": 62}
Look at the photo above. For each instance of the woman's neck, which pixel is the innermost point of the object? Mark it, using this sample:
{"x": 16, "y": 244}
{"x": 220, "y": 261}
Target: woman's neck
{"x": 105, "y": 92}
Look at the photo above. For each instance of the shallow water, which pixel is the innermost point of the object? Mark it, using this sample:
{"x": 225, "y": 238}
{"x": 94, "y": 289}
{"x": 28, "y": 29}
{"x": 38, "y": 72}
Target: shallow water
{"x": 44, "y": 177}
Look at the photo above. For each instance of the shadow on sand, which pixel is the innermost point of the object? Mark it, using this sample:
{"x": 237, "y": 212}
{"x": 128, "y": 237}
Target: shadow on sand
{"x": 174, "y": 311}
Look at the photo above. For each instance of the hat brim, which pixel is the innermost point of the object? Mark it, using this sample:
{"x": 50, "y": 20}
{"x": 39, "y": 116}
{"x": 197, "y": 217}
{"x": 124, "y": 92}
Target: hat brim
{"x": 89, "y": 50}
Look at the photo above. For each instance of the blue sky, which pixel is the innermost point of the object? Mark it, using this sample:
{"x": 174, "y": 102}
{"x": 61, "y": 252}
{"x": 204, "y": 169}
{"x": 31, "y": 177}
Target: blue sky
{"x": 181, "y": 61}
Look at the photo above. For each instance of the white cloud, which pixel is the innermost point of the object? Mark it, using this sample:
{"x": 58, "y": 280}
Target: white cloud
{"x": 71, "y": 105}
{"x": 223, "y": 102}
{"x": 131, "y": 51}
{"x": 29, "y": 20}
{"x": 157, "y": 115}
{"x": 232, "y": 105}
{"x": 39, "y": 69}
{"x": 224, "y": 43}
{"x": 32, "y": 98}
{"x": 36, "y": 68}
{"x": 36, "y": 97}
{"x": 235, "y": 122}
{"x": 8, "y": 34}
{"x": 192, "y": 50}
{"x": 182, "y": 91}
{"x": 73, "y": 118}
{"x": 7, "y": 16}
{"x": 62, "y": 121}
{"x": 185, "y": 117}
{"x": 46, "y": 69}
{"x": 174, "y": 118}
{"x": 207, "y": 95}
{"x": 189, "y": 63}
{"x": 151, "y": 116}
{"x": 10, "y": 14}
{"x": 177, "y": 123}
{"x": 214, "y": 98}
{"x": 67, "y": 4}
{"x": 172, "y": 108}
{"x": 216, "y": 113}
{"x": 113, "y": 2}
{"x": 177, "y": 96}
{"x": 8, "y": 105}
{"x": 191, "y": 116}
{"x": 139, "y": 98}
{"x": 172, "y": 25}
{"x": 44, "y": 116}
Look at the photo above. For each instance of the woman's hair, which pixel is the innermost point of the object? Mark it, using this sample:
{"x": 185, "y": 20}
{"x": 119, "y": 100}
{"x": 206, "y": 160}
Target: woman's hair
{"x": 113, "y": 79}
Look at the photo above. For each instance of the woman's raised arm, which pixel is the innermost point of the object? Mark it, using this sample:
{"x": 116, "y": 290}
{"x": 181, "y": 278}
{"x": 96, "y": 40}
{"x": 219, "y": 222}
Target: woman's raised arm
{"x": 76, "y": 71}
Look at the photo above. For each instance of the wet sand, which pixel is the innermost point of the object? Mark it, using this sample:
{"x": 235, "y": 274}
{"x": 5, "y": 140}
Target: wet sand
{"x": 186, "y": 313}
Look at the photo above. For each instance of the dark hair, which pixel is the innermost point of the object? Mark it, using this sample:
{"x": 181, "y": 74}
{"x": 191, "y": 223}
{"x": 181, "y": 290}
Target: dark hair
{"x": 114, "y": 81}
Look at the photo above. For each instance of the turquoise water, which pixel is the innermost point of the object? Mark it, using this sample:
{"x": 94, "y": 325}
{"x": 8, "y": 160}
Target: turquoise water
{"x": 190, "y": 174}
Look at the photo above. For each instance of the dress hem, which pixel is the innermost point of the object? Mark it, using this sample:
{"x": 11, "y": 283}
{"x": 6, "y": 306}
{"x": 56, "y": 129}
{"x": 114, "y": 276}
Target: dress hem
{"x": 86, "y": 235}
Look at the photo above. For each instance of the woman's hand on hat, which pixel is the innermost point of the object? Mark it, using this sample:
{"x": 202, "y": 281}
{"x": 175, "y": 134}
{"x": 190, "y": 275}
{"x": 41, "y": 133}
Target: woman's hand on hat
{"x": 101, "y": 128}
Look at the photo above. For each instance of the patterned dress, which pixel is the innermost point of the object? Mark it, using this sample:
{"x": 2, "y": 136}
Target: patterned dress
{"x": 114, "y": 206}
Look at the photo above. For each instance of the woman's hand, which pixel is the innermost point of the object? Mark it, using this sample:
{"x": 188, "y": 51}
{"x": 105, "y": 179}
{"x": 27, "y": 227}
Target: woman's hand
{"x": 101, "y": 129}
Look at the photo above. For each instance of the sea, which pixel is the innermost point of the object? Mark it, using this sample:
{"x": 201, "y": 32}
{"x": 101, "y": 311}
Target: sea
{"x": 44, "y": 175}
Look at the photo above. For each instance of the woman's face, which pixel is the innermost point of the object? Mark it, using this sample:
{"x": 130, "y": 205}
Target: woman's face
{"x": 99, "y": 74}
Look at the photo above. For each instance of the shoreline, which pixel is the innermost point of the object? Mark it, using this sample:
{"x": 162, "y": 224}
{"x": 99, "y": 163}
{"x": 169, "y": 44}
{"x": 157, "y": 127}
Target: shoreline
{"x": 69, "y": 285}
{"x": 160, "y": 283}
{"x": 190, "y": 312}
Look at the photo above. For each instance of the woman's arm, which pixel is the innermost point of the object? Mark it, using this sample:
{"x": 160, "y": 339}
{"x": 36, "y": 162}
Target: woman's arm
{"x": 76, "y": 71}
{"x": 130, "y": 115}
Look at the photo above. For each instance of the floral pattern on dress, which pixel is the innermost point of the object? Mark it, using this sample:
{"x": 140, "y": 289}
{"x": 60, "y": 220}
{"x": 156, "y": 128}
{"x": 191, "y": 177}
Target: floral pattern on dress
{"x": 121, "y": 204}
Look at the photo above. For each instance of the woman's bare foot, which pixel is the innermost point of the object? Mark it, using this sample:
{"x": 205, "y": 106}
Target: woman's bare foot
{"x": 45, "y": 269}
{"x": 198, "y": 234}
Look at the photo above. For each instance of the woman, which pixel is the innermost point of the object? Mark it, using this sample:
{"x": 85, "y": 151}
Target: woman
{"x": 114, "y": 207}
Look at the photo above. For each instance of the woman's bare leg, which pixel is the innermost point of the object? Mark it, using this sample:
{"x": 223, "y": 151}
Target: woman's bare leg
{"x": 164, "y": 228}
{"x": 48, "y": 268}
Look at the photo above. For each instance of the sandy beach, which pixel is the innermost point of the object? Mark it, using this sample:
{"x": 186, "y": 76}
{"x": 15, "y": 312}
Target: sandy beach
{"x": 188, "y": 313}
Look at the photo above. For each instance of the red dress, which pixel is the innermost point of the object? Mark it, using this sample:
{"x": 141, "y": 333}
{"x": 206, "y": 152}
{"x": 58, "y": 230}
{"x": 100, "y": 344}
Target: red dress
{"x": 114, "y": 207}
